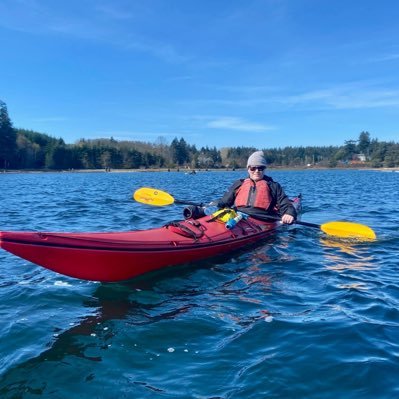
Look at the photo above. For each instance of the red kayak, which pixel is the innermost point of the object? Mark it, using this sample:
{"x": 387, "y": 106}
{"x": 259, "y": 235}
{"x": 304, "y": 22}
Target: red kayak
{"x": 118, "y": 256}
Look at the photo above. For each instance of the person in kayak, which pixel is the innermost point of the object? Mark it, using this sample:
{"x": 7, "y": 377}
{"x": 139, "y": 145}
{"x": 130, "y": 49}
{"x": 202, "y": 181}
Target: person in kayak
{"x": 259, "y": 195}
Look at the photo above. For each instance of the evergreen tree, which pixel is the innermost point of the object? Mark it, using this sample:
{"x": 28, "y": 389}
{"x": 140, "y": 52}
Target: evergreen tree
{"x": 180, "y": 152}
{"x": 349, "y": 149}
{"x": 364, "y": 143}
{"x": 8, "y": 138}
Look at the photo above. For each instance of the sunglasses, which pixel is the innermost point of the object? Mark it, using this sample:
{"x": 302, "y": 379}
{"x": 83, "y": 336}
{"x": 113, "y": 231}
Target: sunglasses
{"x": 258, "y": 168}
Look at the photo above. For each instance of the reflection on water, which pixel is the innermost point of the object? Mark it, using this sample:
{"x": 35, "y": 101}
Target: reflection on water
{"x": 346, "y": 254}
{"x": 354, "y": 286}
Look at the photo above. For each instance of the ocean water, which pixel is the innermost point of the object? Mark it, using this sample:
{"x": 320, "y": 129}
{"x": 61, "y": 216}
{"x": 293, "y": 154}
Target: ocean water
{"x": 298, "y": 316}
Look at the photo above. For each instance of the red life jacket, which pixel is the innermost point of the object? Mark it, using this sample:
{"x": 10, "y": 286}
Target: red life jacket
{"x": 254, "y": 194}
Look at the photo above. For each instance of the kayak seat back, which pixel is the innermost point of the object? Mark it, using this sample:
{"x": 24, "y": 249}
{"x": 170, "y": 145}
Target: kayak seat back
{"x": 182, "y": 229}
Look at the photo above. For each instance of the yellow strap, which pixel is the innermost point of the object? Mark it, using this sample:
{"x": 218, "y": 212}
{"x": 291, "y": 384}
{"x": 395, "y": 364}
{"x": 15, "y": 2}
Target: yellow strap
{"x": 225, "y": 215}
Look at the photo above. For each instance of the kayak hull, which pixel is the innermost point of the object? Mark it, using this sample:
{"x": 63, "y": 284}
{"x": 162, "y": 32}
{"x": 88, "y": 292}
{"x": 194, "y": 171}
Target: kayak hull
{"x": 118, "y": 256}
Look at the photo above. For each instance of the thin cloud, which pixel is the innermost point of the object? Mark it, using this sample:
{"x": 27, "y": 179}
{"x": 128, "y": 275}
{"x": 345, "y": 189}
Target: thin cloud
{"x": 232, "y": 123}
{"x": 351, "y": 96}
{"x": 32, "y": 17}
{"x": 386, "y": 57}
{"x": 113, "y": 11}
{"x": 348, "y": 96}
{"x": 160, "y": 50}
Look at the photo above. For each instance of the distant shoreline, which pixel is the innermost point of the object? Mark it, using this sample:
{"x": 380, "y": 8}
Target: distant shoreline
{"x": 188, "y": 171}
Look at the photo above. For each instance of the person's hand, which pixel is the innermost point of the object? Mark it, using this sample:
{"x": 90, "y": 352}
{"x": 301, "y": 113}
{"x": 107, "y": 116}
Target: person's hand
{"x": 287, "y": 219}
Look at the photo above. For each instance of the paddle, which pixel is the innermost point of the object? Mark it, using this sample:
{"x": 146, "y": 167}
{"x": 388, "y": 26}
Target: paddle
{"x": 152, "y": 196}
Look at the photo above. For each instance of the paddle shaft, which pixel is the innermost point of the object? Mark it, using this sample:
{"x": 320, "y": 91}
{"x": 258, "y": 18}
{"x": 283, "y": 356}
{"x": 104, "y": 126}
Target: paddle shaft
{"x": 278, "y": 218}
{"x": 314, "y": 225}
{"x": 186, "y": 203}
{"x": 151, "y": 196}
{"x": 308, "y": 224}
{"x": 272, "y": 217}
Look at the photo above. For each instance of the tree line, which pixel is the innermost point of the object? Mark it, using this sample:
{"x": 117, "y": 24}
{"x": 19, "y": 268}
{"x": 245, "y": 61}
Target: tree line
{"x": 30, "y": 150}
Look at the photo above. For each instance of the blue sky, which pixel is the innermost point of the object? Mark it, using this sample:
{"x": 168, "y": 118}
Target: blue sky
{"x": 263, "y": 73}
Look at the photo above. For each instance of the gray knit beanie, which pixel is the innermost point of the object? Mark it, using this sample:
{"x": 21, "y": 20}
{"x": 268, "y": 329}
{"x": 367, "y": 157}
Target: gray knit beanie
{"x": 257, "y": 159}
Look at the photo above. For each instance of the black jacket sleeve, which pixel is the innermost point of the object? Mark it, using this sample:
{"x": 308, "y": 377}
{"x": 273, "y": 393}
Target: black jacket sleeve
{"x": 282, "y": 202}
